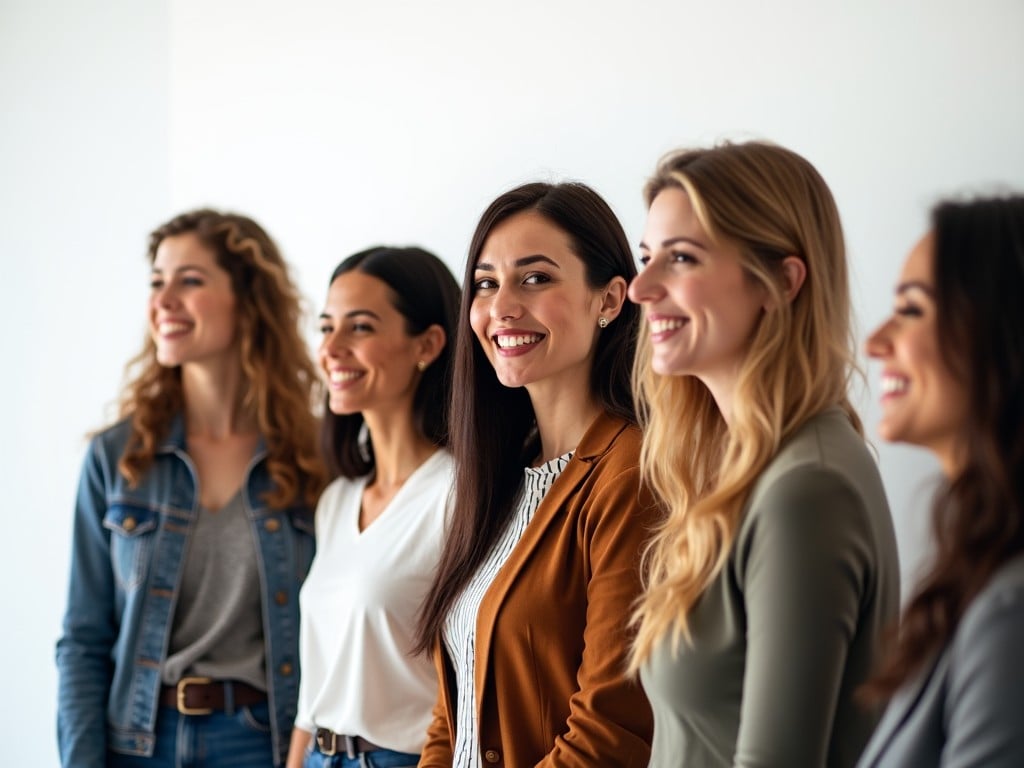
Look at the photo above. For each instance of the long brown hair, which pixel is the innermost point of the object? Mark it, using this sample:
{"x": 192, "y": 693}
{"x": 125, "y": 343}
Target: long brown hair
{"x": 492, "y": 426}
{"x": 281, "y": 377}
{"x": 978, "y": 517}
{"x": 771, "y": 203}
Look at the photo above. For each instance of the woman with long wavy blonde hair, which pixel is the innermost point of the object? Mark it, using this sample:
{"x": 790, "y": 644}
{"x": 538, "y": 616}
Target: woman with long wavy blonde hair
{"x": 775, "y": 566}
{"x": 193, "y": 524}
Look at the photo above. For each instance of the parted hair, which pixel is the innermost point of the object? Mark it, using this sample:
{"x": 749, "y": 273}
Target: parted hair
{"x": 770, "y": 203}
{"x": 978, "y": 516}
{"x": 493, "y": 426}
{"x": 424, "y": 291}
{"x": 282, "y": 383}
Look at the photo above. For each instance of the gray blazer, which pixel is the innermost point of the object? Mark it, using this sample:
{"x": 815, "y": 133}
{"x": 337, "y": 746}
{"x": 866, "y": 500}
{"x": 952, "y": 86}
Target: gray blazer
{"x": 967, "y": 707}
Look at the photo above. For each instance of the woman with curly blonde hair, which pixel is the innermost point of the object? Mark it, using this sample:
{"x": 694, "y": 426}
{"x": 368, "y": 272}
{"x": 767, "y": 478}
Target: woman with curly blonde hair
{"x": 775, "y": 566}
{"x": 193, "y": 524}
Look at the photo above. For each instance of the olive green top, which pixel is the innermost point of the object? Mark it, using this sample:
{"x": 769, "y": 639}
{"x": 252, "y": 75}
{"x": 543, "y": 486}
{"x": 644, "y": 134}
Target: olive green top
{"x": 789, "y": 629}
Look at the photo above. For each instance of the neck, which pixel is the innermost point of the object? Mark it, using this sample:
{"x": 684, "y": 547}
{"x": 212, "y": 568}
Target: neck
{"x": 562, "y": 422}
{"x": 213, "y": 401}
{"x": 398, "y": 447}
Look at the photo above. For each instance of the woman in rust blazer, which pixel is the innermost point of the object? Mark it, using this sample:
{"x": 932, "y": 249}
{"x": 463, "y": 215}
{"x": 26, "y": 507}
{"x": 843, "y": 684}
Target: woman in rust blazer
{"x": 527, "y": 617}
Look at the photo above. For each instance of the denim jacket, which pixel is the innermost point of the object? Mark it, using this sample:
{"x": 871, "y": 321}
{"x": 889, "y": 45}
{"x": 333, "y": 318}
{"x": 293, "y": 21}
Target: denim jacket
{"x": 127, "y": 560}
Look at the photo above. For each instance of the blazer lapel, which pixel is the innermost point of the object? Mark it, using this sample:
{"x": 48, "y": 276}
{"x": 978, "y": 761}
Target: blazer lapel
{"x": 902, "y": 705}
{"x": 595, "y": 442}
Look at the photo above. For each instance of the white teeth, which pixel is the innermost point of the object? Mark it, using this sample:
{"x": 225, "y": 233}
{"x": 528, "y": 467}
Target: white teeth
{"x": 167, "y": 327}
{"x": 339, "y": 377}
{"x": 667, "y": 324}
{"x": 507, "y": 342}
{"x": 894, "y": 384}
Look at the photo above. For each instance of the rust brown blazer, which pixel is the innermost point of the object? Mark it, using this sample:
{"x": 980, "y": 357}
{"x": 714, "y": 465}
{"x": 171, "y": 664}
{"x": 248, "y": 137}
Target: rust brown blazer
{"x": 551, "y": 635}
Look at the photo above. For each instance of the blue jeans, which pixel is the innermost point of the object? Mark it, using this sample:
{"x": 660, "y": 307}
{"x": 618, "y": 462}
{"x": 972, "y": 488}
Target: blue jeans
{"x": 381, "y": 758}
{"x": 237, "y": 739}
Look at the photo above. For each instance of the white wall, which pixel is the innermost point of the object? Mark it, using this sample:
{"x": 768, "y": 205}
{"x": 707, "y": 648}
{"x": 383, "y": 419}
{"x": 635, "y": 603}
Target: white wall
{"x": 343, "y": 124}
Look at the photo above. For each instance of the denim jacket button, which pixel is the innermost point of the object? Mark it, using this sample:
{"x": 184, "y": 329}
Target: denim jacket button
{"x": 281, "y": 597}
{"x": 273, "y": 525}
{"x": 285, "y": 669}
{"x": 128, "y": 524}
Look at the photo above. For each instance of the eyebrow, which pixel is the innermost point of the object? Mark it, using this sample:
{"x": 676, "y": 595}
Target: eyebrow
{"x": 523, "y": 262}
{"x": 183, "y": 268}
{"x": 325, "y": 315}
{"x": 674, "y": 241}
{"x": 912, "y": 284}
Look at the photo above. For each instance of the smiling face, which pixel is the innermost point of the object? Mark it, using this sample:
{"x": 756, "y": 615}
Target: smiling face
{"x": 701, "y": 307}
{"x": 367, "y": 355}
{"x": 532, "y": 310}
{"x": 922, "y": 401}
{"x": 192, "y": 306}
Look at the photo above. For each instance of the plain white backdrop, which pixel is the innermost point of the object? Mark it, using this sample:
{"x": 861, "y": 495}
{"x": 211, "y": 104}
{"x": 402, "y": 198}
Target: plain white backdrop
{"x": 343, "y": 124}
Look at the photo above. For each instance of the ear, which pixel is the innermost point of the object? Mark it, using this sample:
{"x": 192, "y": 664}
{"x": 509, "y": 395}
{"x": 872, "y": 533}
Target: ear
{"x": 794, "y": 272}
{"x": 613, "y": 297}
{"x": 430, "y": 343}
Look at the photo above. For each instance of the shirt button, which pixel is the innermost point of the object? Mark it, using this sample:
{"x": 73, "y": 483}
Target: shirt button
{"x": 492, "y": 756}
{"x": 272, "y": 525}
{"x": 129, "y": 524}
{"x": 281, "y": 597}
{"x": 285, "y": 669}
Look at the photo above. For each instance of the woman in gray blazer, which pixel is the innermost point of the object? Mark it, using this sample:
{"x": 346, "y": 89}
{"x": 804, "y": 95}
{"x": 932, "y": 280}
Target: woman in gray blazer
{"x": 953, "y": 382}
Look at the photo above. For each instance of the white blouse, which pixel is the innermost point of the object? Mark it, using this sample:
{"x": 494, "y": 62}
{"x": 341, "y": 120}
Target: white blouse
{"x": 360, "y": 605}
{"x": 459, "y": 629}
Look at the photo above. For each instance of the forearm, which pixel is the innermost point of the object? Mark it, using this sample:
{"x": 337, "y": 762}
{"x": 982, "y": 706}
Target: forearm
{"x": 297, "y": 748}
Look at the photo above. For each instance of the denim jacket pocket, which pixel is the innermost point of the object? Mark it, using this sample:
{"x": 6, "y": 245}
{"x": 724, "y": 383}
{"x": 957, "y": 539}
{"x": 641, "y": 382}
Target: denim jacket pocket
{"x": 133, "y": 530}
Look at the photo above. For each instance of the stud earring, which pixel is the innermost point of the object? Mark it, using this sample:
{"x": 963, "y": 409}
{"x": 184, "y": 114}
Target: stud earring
{"x": 421, "y": 366}
{"x": 602, "y": 322}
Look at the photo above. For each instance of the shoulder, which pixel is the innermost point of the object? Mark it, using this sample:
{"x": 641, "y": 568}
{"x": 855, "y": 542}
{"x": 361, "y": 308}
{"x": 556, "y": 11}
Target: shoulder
{"x": 825, "y": 459}
{"x": 996, "y": 615}
{"x": 611, "y": 445}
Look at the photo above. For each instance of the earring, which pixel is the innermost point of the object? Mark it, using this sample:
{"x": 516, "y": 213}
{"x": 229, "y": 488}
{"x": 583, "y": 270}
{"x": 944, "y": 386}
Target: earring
{"x": 421, "y": 366}
{"x": 602, "y": 322}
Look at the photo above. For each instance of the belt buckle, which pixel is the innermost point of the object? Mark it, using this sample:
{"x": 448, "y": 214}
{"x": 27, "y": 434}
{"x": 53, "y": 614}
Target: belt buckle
{"x": 182, "y": 685}
{"x": 321, "y": 739}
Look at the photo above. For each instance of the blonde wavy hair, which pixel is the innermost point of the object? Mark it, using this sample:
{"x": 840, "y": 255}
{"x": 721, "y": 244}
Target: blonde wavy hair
{"x": 283, "y": 386}
{"x": 771, "y": 203}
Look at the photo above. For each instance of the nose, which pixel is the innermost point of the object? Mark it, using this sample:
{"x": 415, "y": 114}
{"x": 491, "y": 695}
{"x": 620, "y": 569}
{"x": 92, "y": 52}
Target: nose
{"x": 645, "y": 287}
{"x": 505, "y": 303}
{"x": 164, "y": 297}
{"x": 331, "y": 345}
{"x": 878, "y": 343}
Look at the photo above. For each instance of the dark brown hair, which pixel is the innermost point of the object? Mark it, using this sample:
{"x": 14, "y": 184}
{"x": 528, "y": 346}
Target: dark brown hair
{"x": 424, "y": 291}
{"x": 978, "y": 517}
{"x": 493, "y": 430}
{"x": 282, "y": 380}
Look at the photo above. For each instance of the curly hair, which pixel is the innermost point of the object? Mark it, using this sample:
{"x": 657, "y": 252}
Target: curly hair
{"x": 283, "y": 386}
{"x": 771, "y": 203}
{"x": 978, "y": 517}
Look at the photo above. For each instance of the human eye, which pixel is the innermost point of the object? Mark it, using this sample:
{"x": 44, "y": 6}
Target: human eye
{"x": 536, "y": 278}
{"x": 644, "y": 259}
{"x": 360, "y": 326}
{"x": 484, "y": 284}
{"x": 908, "y": 309}
{"x": 683, "y": 257}
{"x": 156, "y": 283}
{"x": 191, "y": 280}
{"x": 326, "y": 329}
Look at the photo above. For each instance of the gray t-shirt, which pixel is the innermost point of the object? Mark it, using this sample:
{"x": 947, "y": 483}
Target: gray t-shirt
{"x": 790, "y": 627}
{"x": 218, "y": 625}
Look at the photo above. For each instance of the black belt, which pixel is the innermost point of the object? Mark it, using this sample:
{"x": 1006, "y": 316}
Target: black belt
{"x": 202, "y": 696}
{"x": 331, "y": 743}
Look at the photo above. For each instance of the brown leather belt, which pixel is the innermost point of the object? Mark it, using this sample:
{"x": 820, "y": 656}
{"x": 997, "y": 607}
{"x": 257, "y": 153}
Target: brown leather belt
{"x": 202, "y": 696}
{"x": 331, "y": 743}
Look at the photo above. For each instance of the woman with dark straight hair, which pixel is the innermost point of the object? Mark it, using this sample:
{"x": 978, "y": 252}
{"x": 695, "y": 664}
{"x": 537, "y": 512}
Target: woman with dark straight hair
{"x": 953, "y": 382}
{"x": 365, "y": 699}
{"x": 527, "y": 615}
